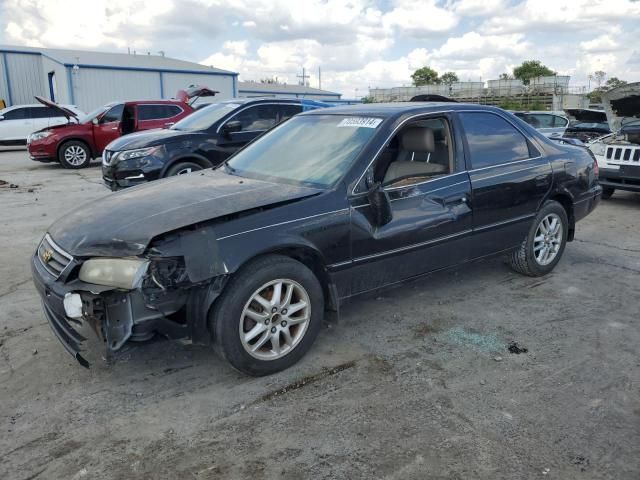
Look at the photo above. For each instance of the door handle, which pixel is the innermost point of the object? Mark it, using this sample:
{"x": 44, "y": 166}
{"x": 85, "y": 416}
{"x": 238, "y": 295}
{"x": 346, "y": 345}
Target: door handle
{"x": 451, "y": 202}
{"x": 114, "y": 128}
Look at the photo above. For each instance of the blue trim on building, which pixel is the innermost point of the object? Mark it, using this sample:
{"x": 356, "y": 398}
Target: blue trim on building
{"x": 7, "y": 80}
{"x": 297, "y": 94}
{"x": 72, "y": 97}
{"x": 161, "y": 85}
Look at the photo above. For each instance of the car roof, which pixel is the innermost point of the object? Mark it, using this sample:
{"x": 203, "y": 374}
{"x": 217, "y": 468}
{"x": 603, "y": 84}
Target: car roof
{"x": 396, "y": 109}
{"x": 35, "y": 105}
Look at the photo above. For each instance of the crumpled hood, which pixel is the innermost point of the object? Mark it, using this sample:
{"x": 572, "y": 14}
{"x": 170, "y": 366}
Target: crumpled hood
{"x": 622, "y": 103}
{"x": 148, "y": 138}
{"x": 123, "y": 223}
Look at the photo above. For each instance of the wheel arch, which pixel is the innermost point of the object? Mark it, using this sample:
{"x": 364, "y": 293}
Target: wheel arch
{"x": 190, "y": 157}
{"x": 566, "y": 201}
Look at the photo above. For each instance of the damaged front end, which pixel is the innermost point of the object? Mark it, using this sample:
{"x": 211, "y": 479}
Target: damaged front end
{"x": 618, "y": 154}
{"x": 117, "y": 300}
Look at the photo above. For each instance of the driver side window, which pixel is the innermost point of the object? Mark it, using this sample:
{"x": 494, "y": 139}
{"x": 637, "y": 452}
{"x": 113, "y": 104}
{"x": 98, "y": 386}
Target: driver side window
{"x": 114, "y": 114}
{"x": 419, "y": 151}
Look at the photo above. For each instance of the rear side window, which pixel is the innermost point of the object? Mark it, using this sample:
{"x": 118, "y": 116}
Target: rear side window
{"x": 492, "y": 140}
{"x": 157, "y": 112}
{"x": 560, "y": 121}
{"x": 544, "y": 121}
{"x": 16, "y": 114}
{"x": 114, "y": 114}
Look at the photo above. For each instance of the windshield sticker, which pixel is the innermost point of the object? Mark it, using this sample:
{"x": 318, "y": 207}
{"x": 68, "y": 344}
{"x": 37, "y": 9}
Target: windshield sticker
{"x": 357, "y": 122}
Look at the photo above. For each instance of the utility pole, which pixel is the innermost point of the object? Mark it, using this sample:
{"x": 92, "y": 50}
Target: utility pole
{"x": 319, "y": 79}
{"x": 304, "y": 77}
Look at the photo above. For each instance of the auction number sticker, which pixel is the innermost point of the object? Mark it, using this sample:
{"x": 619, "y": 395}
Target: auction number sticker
{"x": 357, "y": 122}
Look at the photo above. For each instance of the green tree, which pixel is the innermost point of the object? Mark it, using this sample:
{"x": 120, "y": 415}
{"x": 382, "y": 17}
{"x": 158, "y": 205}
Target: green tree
{"x": 448, "y": 78}
{"x": 530, "y": 69}
{"x": 599, "y": 76}
{"x": 614, "y": 82}
{"x": 425, "y": 76}
{"x": 505, "y": 76}
{"x": 367, "y": 99}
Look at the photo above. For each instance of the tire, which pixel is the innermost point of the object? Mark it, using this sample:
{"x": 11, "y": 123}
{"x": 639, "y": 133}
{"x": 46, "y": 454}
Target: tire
{"x": 228, "y": 320}
{"x": 607, "y": 192}
{"x": 74, "y": 155}
{"x": 182, "y": 168}
{"x": 529, "y": 259}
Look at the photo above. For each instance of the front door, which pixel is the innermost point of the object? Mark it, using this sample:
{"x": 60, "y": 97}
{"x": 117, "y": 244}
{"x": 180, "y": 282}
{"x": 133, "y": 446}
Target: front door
{"x": 431, "y": 215}
{"x": 108, "y": 127}
{"x": 509, "y": 180}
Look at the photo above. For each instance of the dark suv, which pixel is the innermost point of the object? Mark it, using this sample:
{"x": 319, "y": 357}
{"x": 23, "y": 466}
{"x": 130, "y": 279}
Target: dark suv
{"x": 203, "y": 140}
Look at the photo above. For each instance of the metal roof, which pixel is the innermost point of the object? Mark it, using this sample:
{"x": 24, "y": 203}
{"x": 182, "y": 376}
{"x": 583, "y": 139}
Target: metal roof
{"x": 124, "y": 61}
{"x": 266, "y": 88}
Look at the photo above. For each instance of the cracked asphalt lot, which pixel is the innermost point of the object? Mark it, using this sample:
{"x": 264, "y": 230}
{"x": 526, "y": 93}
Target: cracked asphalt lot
{"x": 414, "y": 383}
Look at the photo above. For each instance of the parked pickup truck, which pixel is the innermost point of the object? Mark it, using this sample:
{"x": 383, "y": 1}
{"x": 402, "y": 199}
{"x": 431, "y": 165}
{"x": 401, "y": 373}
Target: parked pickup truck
{"x": 330, "y": 204}
{"x": 82, "y": 138}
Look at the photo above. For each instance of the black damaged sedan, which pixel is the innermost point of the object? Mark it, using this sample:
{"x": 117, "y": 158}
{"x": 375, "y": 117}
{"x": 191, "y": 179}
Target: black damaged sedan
{"x": 333, "y": 203}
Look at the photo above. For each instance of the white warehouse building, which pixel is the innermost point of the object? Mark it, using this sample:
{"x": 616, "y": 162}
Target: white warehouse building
{"x": 91, "y": 79}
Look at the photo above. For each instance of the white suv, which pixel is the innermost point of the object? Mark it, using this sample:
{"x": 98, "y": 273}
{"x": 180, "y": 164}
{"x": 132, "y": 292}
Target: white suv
{"x": 17, "y": 122}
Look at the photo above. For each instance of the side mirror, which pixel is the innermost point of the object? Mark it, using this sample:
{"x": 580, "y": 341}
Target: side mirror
{"x": 95, "y": 121}
{"x": 380, "y": 204}
{"x": 231, "y": 127}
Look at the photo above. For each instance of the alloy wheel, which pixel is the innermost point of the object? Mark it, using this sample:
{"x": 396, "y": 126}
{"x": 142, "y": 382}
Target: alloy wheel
{"x": 548, "y": 239}
{"x": 75, "y": 155}
{"x": 275, "y": 319}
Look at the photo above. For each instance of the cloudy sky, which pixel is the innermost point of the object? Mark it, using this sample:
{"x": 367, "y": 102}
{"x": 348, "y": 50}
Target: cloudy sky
{"x": 357, "y": 43}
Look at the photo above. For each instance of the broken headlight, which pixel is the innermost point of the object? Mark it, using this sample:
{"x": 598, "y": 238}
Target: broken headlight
{"x": 126, "y": 273}
{"x": 167, "y": 272}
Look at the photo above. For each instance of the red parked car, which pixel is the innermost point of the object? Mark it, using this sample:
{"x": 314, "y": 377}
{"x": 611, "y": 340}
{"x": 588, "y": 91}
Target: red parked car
{"x": 74, "y": 144}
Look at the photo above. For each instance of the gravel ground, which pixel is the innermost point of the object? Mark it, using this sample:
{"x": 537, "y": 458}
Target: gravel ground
{"x": 413, "y": 383}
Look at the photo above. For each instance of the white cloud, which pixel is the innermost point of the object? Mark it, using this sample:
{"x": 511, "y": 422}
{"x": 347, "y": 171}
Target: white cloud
{"x": 603, "y": 43}
{"x": 477, "y": 7}
{"x": 559, "y": 16}
{"x": 358, "y": 43}
{"x": 419, "y": 18}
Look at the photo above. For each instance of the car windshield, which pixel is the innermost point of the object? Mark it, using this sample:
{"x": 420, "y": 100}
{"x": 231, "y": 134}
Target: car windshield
{"x": 93, "y": 114}
{"x": 314, "y": 150}
{"x": 205, "y": 117}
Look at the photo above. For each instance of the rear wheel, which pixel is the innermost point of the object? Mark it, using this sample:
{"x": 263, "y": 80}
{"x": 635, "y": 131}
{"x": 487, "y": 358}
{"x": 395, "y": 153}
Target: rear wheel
{"x": 183, "y": 168}
{"x": 74, "y": 154}
{"x": 268, "y": 315}
{"x": 607, "y": 192}
{"x": 540, "y": 252}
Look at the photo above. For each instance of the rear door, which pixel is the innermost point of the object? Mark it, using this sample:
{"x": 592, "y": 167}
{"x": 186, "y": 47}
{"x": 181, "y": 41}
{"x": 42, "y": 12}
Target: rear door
{"x": 509, "y": 180}
{"x": 157, "y": 115}
{"x": 108, "y": 127}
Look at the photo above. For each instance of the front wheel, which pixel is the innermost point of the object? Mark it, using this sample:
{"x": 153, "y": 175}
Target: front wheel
{"x": 268, "y": 316}
{"x": 74, "y": 155}
{"x": 540, "y": 252}
{"x": 183, "y": 168}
